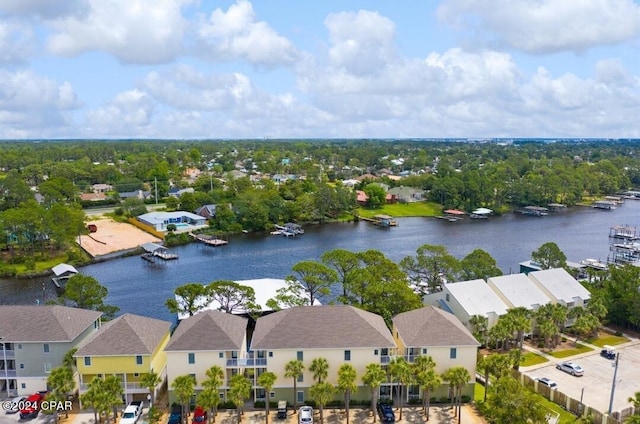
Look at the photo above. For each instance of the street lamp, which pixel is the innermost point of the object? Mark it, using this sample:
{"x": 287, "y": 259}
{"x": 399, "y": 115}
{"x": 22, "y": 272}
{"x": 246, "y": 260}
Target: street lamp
{"x": 613, "y": 384}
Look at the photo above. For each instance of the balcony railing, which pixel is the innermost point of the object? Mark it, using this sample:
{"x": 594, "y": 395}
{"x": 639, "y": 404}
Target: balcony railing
{"x": 128, "y": 387}
{"x": 7, "y": 373}
{"x": 5, "y": 353}
{"x": 385, "y": 359}
{"x": 246, "y": 362}
{"x": 410, "y": 358}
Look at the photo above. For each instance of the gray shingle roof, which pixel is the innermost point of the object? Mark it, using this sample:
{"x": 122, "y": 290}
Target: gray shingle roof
{"x": 321, "y": 327}
{"x": 209, "y": 330}
{"x": 126, "y": 335}
{"x": 46, "y": 323}
{"x": 430, "y": 326}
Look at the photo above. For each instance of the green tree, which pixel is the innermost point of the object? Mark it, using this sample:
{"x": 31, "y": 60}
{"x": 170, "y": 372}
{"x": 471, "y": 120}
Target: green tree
{"x": 292, "y": 294}
{"x": 347, "y": 384}
{"x": 85, "y": 292}
{"x": 400, "y": 371}
{"x": 376, "y": 196}
{"x": 345, "y": 263}
{"x": 266, "y": 381}
{"x": 68, "y": 360}
{"x": 320, "y": 369}
{"x": 292, "y": 370}
{"x": 322, "y": 393}
{"x": 549, "y": 256}
{"x": 432, "y": 264}
{"x": 374, "y": 377}
{"x": 520, "y": 320}
{"x": 190, "y": 298}
{"x": 427, "y": 378}
{"x": 239, "y": 391}
{"x": 510, "y": 403}
{"x": 95, "y": 399}
{"x": 478, "y": 265}
{"x": 154, "y": 415}
{"x": 458, "y": 377}
{"x": 61, "y": 383}
{"x": 151, "y": 380}
{"x": 316, "y": 278}
{"x": 208, "y": 399}
{"x": 480, "y": 326}
{"x": 113, "y": 390}
{"x": 233, "y": 297}
{"x": 184, "y": 388}
{"x": 215, "y": 379}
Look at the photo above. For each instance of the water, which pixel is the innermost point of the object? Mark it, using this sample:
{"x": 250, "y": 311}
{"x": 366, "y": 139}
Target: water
{"x": 134, "y": 286}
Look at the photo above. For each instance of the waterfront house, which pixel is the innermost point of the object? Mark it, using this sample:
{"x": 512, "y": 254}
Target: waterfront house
{"x": 160, "y": 220}
{"x": 561, "y": 287}
{"x": 206, "y": 211}
{"x": 128, "y": 347}
{"x": 406, "y": 194}
{"x": 338, "y": 333}
{"x": 439, "y": 334}
{"x": 206, "y": 339}
{"x": 34, "y": 340}
{"x": 518, "y": 291}
{"x": 468, "y": 298}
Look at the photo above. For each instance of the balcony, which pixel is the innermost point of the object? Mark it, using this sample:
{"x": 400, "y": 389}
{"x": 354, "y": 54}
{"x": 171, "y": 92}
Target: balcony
{"x": 410, "y": 358}
{"x": 385, "y": 359}
{"x": 9, "y": 354}
{"x": 128, "y": 388}
{"x": 246, "y": 362}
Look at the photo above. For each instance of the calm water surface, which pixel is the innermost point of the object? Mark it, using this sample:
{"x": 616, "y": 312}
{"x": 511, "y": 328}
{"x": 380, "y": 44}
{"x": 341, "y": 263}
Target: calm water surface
{"x": 137, "y": 287}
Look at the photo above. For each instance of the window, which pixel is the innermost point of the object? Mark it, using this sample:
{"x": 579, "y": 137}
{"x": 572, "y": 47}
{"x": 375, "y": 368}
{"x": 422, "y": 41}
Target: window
{"x": 139, "y": 359}
{"x": 221, "y": 394}
{"x": 23, "y": 385}
{"x": 453, "y": 353}
{"x": 87, "y": 361}
{"x": 424, "y": 350}
{"x": 384, "y": 351}
{"x": 95, "y": 324}
{"x": 21, "y": 366}
{"x": 300, "y": 355}
{"x": 45, "y": 348}
{"x": 135, "y": 374}
{"x": 300, "y": 378}
{"x": 192, "y": 358}
{"x": 375, "y": 352}
{"x": 270, "y": 354}
{"x": 194, "y": 377}
{"x": 300, "y": 396}
{"x": 347, "y": 355}
{"x": 272, "y": 394}
{"x": 234, "y": 354}
{"x": 447, "y": 297}
{"x": 221, "y": 355}
{"x": 47, "y": 367}
{"x": 19, "y": 345}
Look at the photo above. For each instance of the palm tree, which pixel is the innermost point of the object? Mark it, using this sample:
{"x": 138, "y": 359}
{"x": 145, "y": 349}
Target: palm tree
{"x": 293, "y": 369}
{"x": 322, "y": 393}
{"x": 520, "y": 320}
{"x": 208, "y": 399}
{"x": 374, "y": 377}
{"x": 457, "y": 377}
{"x": 151, "y": 380}
{"x": 400, "y": 371}
{"x": 215, "y": 378}
{"x": 113, "y": 390}
{"x": 267, "y": 380}
{"x": 61, "y": 383}
{"x": 559, "y": 314}
{"x": 347, "y": 384}
{"x": 94, "y": 397}
{"x": 68, "y": 360}
{"x": 480, "y": 325}
{"x": 635, "y": 401}
{"x": 424, "y": 370}
{"x": 239, "y": 390}
{"x": 184, "y": 386}
{"x": 320, "y": 369}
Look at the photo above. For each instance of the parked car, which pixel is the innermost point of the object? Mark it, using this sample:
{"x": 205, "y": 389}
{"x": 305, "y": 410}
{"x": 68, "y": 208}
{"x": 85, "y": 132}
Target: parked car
{"x": 31, "y": 406}
{"x": 305, "y": 415}
{"x": 175, "y": 416}
{"x": 14, "y": 404}
{"x": 282, "y": 410}
{"x": 608, "y": 352}
{"x": 547, "y": 382}
{"x": 571, "y": 368}
{"x": 199, "y": 415}
{"x": 385, "y": 411}
{"x": 131, "y": 414}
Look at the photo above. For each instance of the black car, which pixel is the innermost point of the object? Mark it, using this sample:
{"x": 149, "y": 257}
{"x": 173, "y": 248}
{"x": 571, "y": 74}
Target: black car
{"x": 176, "y": 415}
{"x": 608, "y": 352}
{"x": 386, "y": 413}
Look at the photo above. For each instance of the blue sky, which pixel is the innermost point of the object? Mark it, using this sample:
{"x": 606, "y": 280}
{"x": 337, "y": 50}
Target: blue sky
{"x": 189, "y": 69}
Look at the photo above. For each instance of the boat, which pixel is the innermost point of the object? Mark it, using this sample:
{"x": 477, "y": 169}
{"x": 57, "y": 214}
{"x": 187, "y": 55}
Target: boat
{"x": 481, "y": 213}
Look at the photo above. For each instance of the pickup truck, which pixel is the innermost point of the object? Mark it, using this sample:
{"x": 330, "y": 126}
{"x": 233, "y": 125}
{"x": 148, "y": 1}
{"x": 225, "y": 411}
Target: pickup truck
{"x": 131, "y": 413}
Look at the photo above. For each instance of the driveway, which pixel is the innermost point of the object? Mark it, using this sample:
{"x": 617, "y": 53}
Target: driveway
{"x": 595, "y": 386}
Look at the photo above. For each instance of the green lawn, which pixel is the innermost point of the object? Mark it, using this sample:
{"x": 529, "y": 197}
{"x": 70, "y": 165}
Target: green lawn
{"x": 570, "y": 352}
{"x": 530, "y": 358}
{"x": 404, "y": 210}
{"x": 609, "y": 339}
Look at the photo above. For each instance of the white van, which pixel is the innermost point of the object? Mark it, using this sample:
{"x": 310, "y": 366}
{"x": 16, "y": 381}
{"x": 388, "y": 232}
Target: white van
{"x": 305, "y": 415}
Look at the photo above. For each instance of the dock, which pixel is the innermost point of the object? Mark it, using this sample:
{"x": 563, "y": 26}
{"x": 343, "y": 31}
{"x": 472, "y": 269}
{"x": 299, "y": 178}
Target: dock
{"x": 625, "y": 232}
{"x": 62, "y": 273}
{"x": 534, "y": 211}
{"x": 154, "y": 250}
{"x": 606, "y": 205}
{"x": 209, "y": 240}
{"x": 384, "y": 221}
{"x": 452, "y": 215}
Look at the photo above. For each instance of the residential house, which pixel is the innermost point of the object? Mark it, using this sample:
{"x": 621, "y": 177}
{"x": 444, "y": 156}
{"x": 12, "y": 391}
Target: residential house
{"x": 206, "y": 211}
{"x": 101, "y": 188}
{"x": 439, "y": 334}
{"x": 468, "y": 298}
{"x": 518, "y": 291}
{"x": 160, "y": 220}
{"x": 406, "y": 194}
{"x": 561, "y": 287}
{"x": 192, "y": 173}
{"x": 34, "y": 339}
{"x": 338, "y": 333}
{"x": 177, "y": 192}
{"x": 206, "y": 339}
{"x": 361, "y": 198}
{"x": 128, "y": 347}
{"x": 139, "y": 194}
{"x": 93, "y": 197}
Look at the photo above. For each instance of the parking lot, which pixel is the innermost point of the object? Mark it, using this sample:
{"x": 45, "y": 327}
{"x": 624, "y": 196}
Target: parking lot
{"x": 598, "y": 377}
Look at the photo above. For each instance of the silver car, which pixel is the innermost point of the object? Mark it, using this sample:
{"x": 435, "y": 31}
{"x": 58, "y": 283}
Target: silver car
{"x": 571, "y": 368}
{"x": 15, "y": 404}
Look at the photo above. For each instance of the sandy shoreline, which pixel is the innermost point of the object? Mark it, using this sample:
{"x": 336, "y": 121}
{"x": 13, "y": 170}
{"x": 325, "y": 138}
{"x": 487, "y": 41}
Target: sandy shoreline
{"x": 113, "y": 236}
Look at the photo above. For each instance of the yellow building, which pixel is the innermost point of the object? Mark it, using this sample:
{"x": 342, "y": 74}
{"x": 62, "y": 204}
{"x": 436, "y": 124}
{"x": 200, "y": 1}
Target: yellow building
{"x": 128, "y": 347}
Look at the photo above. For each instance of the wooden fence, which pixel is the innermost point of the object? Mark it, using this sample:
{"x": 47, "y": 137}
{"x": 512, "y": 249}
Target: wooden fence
{"x": 148, "y": 228}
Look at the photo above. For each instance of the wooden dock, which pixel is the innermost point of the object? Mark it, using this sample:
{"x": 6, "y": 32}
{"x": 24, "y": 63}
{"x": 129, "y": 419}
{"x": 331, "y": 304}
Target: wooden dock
{"x": 209, "y": 240}
{"x": 384, "y": 221}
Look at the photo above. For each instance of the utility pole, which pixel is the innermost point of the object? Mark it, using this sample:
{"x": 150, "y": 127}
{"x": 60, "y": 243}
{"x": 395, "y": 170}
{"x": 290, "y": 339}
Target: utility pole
{"x": 613, "y": 385}
{"x": 155, "y": 181}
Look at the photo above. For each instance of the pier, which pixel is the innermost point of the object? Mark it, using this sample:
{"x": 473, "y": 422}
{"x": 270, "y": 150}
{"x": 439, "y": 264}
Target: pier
{"x": 384, "y": 221}
{"x": 625, "y": 232}
{"x": 534, "y": 211}
{"x": 606, "y": 205}
{"x": 153, "y": 251}
{"x": 209, "y": 240}
{"x": 452, "y": 215}
{"x": 62, "y": 273}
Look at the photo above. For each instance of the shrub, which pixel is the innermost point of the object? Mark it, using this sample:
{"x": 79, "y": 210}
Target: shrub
{"x": 416, "y": 401}
{"x": 465, "y": 398}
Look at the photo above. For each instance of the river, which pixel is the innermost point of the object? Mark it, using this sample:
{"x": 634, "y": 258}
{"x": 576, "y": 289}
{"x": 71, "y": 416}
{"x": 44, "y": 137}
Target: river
{"x": 134, "y": 286}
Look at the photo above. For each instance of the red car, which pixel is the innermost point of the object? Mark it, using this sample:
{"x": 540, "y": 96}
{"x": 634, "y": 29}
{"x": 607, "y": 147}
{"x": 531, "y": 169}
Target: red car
{"x": 199, "y": 415}
{"x": 31, "y": 406}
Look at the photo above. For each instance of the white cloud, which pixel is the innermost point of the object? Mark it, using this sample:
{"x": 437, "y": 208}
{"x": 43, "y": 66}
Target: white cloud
{"x": 46, "y": 9}
{"x": 362, "y": 42}
{"x": 133, "y": 31}
{"x": 129, "y": 112}
{"x": 544, "y": 26}
{"x": 16, "y": 41}
{"x": 237, "y": 35}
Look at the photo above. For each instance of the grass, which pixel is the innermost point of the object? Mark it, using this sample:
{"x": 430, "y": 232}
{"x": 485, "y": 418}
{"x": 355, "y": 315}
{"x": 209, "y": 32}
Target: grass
{"x": 530, "y": 358}
{"x": 609, "y": 339}
{"x": 404, "y": 210}
{"x": 570, "y": 352}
